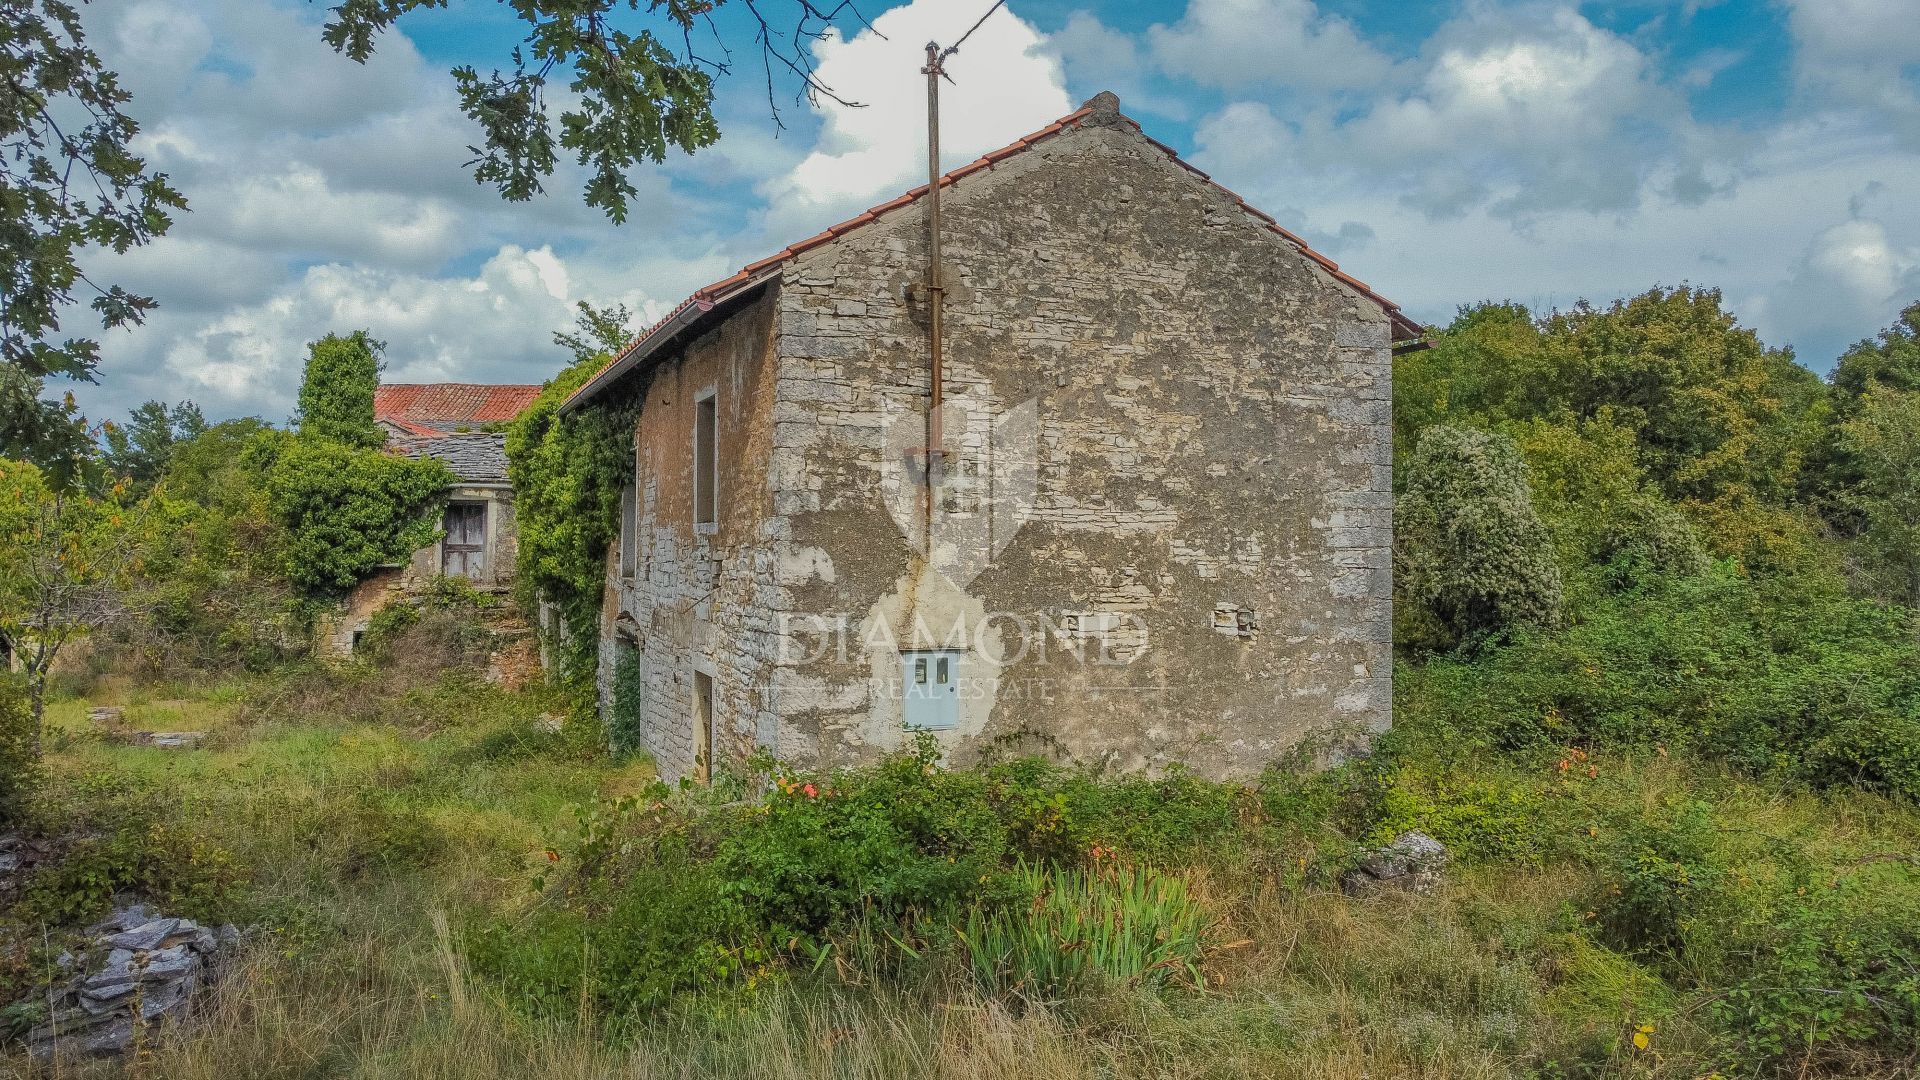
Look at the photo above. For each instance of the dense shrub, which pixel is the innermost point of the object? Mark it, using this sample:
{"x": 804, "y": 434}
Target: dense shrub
{"x": 337, "y": 388}
{"x": 19, "y": 761}
{"x": 695, "y": 897}
{"x": 1471, "y": 558}
{"x": 441, "y": 628}
{"x": 134, "y": 854}
{"x": 347, "y": 511}
{"x": 899, "y": 838}
{"x": 1790, "y": 676}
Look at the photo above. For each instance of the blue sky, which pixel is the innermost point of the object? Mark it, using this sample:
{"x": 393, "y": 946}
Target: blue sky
{"x": 1447, "y": 153}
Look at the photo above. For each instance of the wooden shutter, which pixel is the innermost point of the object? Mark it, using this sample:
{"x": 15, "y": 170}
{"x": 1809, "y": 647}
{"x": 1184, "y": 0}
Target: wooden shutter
{"x": 464, "y": 551}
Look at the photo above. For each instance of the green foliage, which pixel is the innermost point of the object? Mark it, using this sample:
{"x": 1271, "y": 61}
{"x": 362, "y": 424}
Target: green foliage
{"x": 568, "y": 472}
{"x": 1719, "y": 423}
{"x": 1471, "y": 558}
{"x": 1611, "y": 529}
{"x": 138, "y": 856}
{"x": 139, "y": 450}
{"x": 346, "y": 511}
{"x": 445, "y": 621}
{"x": 1659, "y": 877}
{"x": 634, "y": 955}
{"x": 72, "y": 183}
{"x": 1891, "y": 360}
{"x": 51, "y": 434}
{"x": 1795, "y": 677}
{"x": 1100, "y": 928}
{"x": 905, "y": 837}
{"x": 904, "y": 863}
{"x": 337, "y": 388}
{"x": 19, "y": 759}
{"x": 629, "y": 689}
{"x": 69, "y": 562}
{"x": 213, "y": 597}
{"x": 1477, "y": 817}
{"x": 1881, "y": 506}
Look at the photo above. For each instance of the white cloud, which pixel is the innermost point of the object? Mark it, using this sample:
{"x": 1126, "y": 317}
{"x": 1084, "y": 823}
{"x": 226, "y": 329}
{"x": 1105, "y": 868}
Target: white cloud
{"x": 1097, "y": 57}
{"x": 1005, "y": 84}
{"x": 1861, "y": 54}
{"x": 1811, "y": 248}
{"x": 1521, "y": 151}
{"x": 1848, "y": 281}
{"x": 1242, "y": 43}
{"x": 1526, "y": 110}
{"x": 491, "y": 326}
{"x": 328, "y": 195}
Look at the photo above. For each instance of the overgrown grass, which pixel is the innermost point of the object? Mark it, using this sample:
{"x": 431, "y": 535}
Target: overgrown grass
{"x": 386, "y": 855}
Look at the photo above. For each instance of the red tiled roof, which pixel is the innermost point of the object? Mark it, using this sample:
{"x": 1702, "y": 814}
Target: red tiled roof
{"x": 753, "y": 273}
{"x": 430, "y": 408}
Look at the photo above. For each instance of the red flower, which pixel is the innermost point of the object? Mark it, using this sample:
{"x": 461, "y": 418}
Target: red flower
{"x": 809, "y": 789}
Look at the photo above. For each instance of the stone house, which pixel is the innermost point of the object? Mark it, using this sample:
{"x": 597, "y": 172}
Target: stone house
{"x": 459, "y": 423}
{"x": 1154, "y": 528}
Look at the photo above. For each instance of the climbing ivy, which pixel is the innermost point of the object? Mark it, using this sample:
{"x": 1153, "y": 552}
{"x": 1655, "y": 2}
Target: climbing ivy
{"x": 346, "y": 510}
{"x": 568, "y": 472}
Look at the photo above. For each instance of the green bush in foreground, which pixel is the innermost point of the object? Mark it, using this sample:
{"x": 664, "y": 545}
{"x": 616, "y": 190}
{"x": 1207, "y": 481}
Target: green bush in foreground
{"x": 1109, "y": 926}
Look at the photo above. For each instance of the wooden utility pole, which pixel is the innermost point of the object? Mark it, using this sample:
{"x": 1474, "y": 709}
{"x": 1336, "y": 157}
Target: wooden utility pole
{"x": 936, "y": 287}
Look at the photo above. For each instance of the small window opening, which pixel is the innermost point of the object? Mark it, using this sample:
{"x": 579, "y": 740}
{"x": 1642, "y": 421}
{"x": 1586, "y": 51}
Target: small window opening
{"x": 706, "y": 460}
{"x": 629, "y": 529}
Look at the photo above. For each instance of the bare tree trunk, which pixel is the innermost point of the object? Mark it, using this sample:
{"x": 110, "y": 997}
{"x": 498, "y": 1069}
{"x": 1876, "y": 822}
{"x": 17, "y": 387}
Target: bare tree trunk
{"x": 37, "y": 667}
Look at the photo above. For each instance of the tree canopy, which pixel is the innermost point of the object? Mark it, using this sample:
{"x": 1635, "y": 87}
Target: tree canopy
{"x": 337, "y": 388}
{"x": 71, "y": 182}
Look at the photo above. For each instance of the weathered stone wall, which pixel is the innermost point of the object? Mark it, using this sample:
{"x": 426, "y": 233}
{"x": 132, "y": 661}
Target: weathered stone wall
{"x": 1211, "y": 512}
{"x": 702, "y": 599}
{"x": 1164, "y": 525}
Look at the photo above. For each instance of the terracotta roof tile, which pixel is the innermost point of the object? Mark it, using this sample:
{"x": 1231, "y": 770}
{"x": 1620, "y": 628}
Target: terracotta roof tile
{"x": 851, "y": 223}
{"x": 428, "y": 408}
{"x": 1403, "y": 326}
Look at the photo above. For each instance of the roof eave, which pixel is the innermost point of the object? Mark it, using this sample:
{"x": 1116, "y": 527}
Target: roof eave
{"x": 695, "y": 313}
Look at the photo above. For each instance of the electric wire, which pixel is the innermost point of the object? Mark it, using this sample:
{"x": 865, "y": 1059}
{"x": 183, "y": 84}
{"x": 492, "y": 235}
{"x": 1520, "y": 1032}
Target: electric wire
{"x": 955, "y": 47}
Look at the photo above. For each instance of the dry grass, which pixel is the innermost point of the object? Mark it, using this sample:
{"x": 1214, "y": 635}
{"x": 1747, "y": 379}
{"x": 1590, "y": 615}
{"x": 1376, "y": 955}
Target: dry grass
{"x": 356, "y": 834}
{"x": 1330, "y": 987}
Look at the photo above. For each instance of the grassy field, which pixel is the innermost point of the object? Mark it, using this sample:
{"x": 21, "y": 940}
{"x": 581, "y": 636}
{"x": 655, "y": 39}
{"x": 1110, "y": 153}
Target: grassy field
{"x": 363, "y": 832}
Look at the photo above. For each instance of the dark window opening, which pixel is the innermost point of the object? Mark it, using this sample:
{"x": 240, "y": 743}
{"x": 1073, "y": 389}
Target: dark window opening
{"x": 706, "y": 460}
{"x": 629, "y": 530}
{"x": 703, "y": 727}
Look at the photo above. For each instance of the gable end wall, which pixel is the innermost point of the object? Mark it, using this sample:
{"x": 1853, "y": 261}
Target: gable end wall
{"x": 1213, "y": 429}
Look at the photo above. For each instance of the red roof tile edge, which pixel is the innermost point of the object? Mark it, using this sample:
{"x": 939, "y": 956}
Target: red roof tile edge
{"x": 451, "y": 402}
{"x": 1404, "y": 327}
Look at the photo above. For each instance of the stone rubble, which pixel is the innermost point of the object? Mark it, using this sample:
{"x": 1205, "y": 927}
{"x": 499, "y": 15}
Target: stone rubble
{"x": 1412, "y": 862}
{"x": 169, "y": 740}
{"x": 139, "y": 968}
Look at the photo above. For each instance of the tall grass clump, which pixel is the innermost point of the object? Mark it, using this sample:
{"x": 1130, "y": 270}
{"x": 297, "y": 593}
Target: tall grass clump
{"x": 1104, "y": 927}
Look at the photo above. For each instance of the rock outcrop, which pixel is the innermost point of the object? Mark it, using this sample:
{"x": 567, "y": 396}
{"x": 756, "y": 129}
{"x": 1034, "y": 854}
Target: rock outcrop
{"x": 1411, "y": 863}
{"x": 139, "y": 969}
